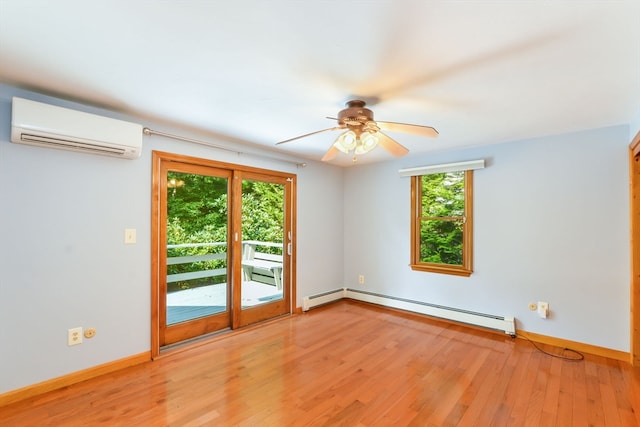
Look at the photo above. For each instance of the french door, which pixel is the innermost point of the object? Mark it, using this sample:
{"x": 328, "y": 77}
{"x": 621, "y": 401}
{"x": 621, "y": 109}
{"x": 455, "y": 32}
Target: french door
{"x": 263, "y": 247}
{"x": 222, "y": 245}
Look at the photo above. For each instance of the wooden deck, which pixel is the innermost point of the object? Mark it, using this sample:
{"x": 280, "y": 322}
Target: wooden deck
{"x": 350, "y": 364}
{"x": 206, "y": 300}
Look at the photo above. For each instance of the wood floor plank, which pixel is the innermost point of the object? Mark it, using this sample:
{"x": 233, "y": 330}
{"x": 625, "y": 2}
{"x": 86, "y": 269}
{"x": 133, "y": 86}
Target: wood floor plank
{"x": 552, "y": 394}
{"x": 350, "y": 364}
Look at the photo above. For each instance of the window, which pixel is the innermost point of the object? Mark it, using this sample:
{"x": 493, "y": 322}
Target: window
{"x": 441, "y": 222}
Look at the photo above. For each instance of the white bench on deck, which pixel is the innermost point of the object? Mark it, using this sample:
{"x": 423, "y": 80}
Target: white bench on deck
{"x": 260, "y": 266}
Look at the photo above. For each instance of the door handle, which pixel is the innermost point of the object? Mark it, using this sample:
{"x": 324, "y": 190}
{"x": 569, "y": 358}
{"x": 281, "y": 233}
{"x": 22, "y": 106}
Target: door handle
{"x": 289, "y": 249}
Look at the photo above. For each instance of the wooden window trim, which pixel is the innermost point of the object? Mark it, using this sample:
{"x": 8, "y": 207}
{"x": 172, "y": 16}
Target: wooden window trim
{"x": 467, "y": 234}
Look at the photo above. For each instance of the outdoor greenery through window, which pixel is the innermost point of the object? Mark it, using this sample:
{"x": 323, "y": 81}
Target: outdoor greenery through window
{"x": 441, "y": 222}
{"x": 197, "y": 217}
{"x": 196, "y": 226}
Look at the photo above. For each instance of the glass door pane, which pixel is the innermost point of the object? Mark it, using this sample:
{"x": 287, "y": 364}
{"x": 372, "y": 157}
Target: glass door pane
{"x": 262, "y": 242}
{"x": 196, "y": 246}
{"x": 264, "y": 291}
{"x": 196, "y": 293}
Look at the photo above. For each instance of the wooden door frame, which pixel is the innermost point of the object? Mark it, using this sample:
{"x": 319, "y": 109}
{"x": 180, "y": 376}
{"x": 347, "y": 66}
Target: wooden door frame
{"x": 634, "y": 194}
{"x": 157, "y": 186}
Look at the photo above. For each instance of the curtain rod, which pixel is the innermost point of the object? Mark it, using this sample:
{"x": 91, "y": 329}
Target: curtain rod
{"x": 443, "y": 167}
{"x": 148, "y": 131}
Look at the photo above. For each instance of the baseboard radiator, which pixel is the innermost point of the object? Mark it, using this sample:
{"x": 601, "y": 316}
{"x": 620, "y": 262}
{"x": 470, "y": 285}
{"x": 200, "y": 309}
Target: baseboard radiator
{"x": 489, "y": 321}
{"x": 323, "y": 298}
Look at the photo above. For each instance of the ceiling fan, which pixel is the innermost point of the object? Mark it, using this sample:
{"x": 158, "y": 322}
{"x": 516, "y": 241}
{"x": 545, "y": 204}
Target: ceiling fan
{"x": 362, "y": 134}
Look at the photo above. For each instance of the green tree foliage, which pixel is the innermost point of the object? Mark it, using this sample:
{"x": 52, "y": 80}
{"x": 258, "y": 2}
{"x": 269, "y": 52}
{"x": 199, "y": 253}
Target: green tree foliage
{"x": 199, "y": 204}
{"x": 441, "y": 221}
{"x": 263, "y": 213}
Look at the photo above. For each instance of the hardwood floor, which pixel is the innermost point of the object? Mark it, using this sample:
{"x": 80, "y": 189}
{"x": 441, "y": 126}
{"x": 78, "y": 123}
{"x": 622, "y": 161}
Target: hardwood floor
{"x": 350, "y": 364}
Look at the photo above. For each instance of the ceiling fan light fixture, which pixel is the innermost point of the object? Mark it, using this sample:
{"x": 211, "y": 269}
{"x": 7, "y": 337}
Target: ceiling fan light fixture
{"x": 368, "y": 141}
{"x": 347, "y": 141}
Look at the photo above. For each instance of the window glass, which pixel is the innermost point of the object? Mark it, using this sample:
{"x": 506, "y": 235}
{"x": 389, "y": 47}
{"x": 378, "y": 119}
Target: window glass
{"x": 441, "y": 222}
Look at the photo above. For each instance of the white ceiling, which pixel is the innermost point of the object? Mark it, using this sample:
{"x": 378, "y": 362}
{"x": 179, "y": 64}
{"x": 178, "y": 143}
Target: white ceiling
{"x": 260, "y": 71}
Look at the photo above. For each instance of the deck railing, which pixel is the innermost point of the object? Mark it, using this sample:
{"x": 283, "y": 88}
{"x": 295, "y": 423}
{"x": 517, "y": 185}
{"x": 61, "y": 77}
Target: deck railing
{"x": 267, "y": 266}
{"x": 189, "y": 259}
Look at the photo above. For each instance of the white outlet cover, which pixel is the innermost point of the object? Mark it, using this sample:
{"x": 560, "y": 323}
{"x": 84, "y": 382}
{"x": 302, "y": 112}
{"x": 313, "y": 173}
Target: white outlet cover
{"x": 129, "y": 236}
{"x": 543, "y": 309}
{"x": 74, "y": 336}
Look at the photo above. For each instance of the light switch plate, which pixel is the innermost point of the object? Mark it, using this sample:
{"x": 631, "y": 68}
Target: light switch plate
{"x": 129, "y": 236}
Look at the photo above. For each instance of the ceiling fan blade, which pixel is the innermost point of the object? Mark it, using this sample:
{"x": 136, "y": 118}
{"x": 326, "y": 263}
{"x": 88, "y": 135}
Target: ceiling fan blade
{"x": 329, "y": 155}
{"x": 392, "y": 146}
{"x": 309, "y": 134}
{"x": 407, "y": 128}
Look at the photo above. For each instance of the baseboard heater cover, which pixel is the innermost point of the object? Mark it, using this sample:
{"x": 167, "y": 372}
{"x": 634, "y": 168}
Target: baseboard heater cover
{"x": 489, "y": 321}
{"x": 323, "y": 298}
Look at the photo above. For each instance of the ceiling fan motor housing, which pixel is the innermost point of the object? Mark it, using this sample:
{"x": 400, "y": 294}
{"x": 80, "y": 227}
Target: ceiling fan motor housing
{"x": 356, "y": 114}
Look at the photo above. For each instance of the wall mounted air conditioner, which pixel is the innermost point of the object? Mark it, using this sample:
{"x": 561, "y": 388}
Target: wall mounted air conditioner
{"x": 45, "y": 125}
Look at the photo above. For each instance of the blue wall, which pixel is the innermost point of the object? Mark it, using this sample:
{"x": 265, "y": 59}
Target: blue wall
{"x": 551, "y": 223}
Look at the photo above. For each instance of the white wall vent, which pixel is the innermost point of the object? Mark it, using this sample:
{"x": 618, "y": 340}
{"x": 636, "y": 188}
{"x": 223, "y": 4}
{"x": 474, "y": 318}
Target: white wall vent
{"x": 45, "y": 125}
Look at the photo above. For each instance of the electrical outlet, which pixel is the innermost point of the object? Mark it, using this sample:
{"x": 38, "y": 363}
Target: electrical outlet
{"x": 361, "y": 279}
{"x": 74, "y": 336}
